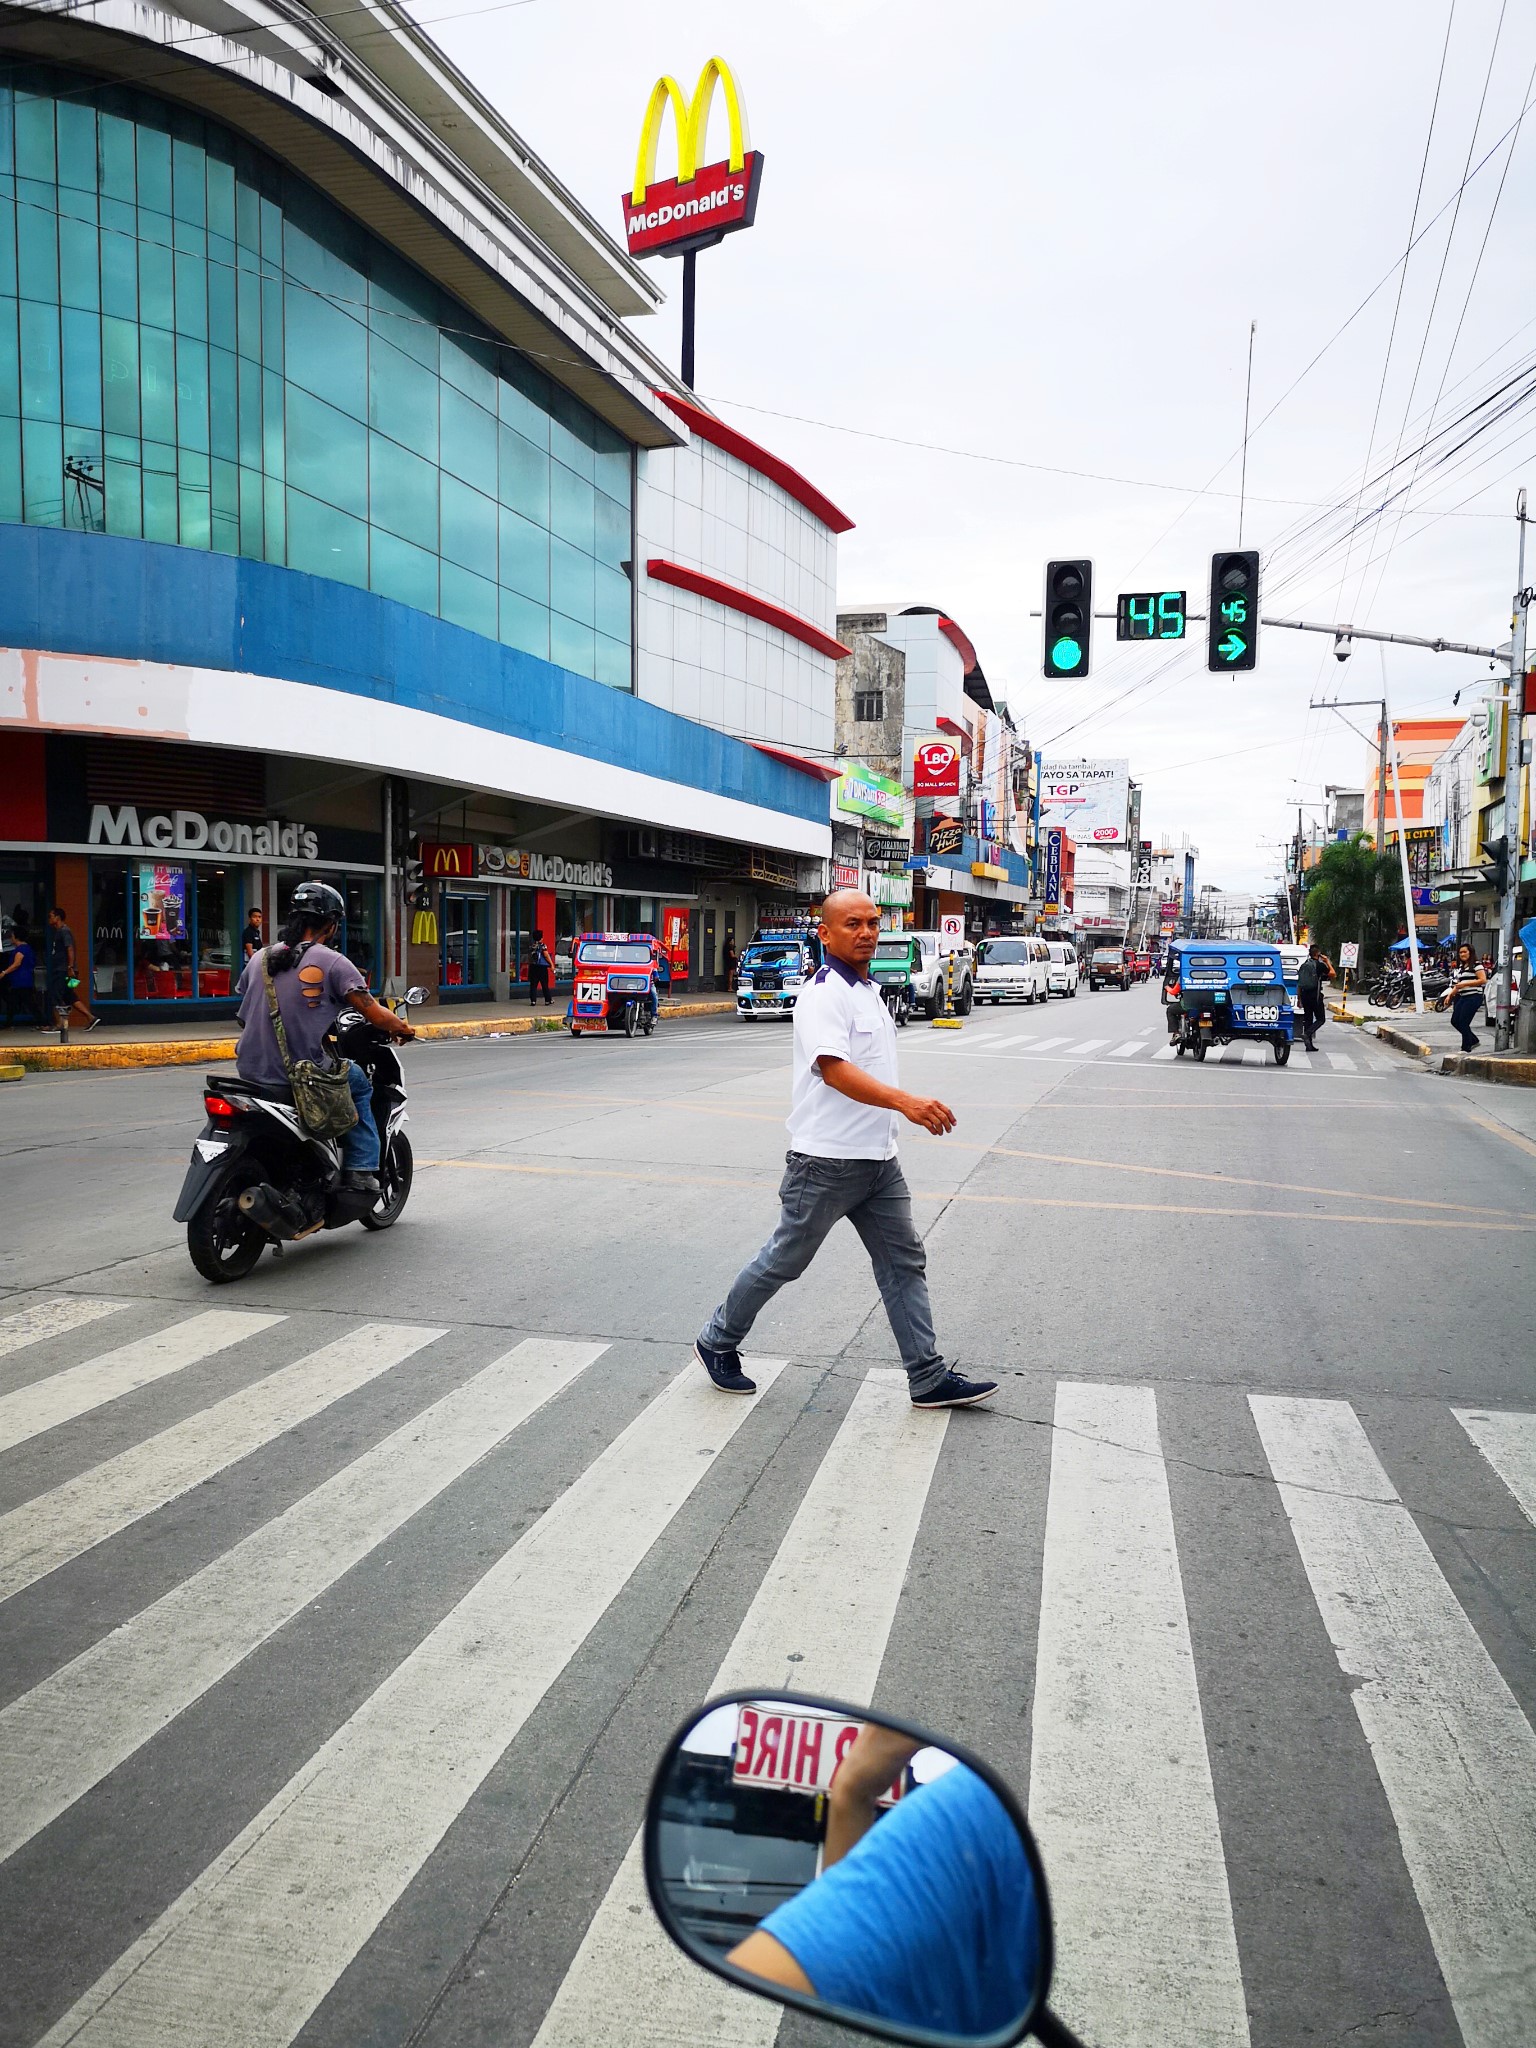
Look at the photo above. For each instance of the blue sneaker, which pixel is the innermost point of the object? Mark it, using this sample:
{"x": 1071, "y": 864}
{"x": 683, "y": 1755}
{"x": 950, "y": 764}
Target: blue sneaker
{"x": 724, "y": 1368}
{"x": 956, "y": 1391}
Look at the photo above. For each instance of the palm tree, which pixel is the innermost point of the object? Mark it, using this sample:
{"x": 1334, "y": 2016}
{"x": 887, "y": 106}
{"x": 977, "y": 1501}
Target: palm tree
{"x": 1354, "y": 892}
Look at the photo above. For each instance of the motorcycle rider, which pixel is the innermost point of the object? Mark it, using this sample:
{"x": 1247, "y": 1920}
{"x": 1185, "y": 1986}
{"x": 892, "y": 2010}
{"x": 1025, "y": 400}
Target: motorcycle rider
{"x": 313, "y": 983}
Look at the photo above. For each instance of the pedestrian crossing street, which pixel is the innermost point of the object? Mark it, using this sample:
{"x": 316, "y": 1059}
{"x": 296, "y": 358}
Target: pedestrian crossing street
{"x": 294, "y": 1898}
{"x": 993, "y": 1041}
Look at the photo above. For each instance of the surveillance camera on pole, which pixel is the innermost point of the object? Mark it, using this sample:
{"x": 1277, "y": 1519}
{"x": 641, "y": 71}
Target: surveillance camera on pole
{"x": 1343, "y": 646}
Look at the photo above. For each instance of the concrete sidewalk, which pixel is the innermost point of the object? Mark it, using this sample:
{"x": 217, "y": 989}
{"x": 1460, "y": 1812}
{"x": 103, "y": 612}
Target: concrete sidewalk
{"x": 189, "y": 1043}
{"x": 1432, "y": 1037}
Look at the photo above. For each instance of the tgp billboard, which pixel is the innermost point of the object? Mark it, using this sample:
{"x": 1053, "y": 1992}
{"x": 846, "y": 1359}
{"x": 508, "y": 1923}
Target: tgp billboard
{"x": 1088, "y": 798}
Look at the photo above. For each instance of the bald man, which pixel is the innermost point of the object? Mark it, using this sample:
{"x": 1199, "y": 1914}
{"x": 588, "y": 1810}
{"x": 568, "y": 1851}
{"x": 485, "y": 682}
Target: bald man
{"x": 844, "y": 1110}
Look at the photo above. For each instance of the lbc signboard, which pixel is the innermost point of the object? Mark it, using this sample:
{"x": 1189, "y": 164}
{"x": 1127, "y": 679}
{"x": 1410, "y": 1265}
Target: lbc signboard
{"x": 936, "y": 769}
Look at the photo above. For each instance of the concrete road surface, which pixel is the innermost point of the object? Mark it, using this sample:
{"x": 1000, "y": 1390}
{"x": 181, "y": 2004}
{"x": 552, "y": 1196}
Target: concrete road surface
{"x": 343, "y": 1612}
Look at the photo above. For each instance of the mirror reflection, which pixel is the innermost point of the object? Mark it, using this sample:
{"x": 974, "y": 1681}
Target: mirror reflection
{"x": 844, "y": 1860}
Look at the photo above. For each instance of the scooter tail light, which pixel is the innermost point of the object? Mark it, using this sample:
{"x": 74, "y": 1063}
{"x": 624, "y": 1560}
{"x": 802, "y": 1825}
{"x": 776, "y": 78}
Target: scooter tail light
{"x": 220, "y": 1105}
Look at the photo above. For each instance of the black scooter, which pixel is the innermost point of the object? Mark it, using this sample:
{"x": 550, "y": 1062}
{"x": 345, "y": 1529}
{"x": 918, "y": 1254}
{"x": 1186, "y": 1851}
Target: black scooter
{"x": 257, "y": 1177}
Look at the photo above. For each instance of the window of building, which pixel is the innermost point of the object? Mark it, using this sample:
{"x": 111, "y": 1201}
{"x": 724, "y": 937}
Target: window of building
{"x": 196, "y": 347}
{"x": 869, "y": 706}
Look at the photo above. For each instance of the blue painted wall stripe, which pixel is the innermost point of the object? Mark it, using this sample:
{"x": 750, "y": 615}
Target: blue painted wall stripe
{"x": 79, "y": 593}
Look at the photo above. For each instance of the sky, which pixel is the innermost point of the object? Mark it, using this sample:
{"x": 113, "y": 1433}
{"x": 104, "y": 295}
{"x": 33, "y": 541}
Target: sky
{"x": 1033, "y": 237}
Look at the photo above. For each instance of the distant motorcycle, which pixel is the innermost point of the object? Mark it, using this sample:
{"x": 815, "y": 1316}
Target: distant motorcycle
{"x": 257, "y": 1177}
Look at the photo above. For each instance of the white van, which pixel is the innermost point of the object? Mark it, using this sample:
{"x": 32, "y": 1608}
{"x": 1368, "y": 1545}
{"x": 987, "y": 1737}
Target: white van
{"x": 1012, "y": 971}
{"x": 1062, "y": 973}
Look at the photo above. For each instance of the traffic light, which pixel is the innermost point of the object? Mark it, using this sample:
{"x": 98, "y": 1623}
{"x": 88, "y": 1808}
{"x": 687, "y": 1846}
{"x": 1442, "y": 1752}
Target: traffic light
{"x": 1496, "y": 870}
{"x": 1068, "y": 617}
{"x": 1232, "y": 616}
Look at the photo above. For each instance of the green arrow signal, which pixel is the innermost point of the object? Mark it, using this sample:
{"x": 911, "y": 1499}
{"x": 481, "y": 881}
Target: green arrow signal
{"x": 1233, "y": 648}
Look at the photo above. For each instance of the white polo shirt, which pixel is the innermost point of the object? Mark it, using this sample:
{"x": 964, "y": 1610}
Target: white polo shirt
{"x": 842, "y": 1014}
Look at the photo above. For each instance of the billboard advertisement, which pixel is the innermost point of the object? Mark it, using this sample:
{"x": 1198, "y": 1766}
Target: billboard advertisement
{"x": 865, "y": 793}
{"x": 935, "y": 768}
{"x": 1088, "y": 798}
{"x": 1052, "y": 889}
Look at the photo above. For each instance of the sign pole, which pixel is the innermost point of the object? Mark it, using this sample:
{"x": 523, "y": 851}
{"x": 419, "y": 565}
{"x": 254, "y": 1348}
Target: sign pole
{"x": 690, "y": 259}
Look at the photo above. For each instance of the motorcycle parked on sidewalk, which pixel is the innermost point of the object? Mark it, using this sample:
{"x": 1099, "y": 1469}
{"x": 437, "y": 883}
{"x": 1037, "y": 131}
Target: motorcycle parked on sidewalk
{"x": 257, "y": 1177}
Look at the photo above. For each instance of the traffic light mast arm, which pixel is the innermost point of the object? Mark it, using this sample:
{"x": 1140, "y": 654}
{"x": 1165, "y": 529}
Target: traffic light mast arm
{"x": 1355, "y": 633}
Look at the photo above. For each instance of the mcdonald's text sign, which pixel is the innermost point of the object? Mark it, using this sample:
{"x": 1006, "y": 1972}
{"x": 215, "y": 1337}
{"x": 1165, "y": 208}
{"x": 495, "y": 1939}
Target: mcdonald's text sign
{"x": 669, "y": 216}
{"x": 444, "y": 858}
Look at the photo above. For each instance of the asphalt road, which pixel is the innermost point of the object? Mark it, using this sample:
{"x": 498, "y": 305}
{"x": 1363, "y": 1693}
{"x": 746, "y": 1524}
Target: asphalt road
{"x": 329, "y": 1693}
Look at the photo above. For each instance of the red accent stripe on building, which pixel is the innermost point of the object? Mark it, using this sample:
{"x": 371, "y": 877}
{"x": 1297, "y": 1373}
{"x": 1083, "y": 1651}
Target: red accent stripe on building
{"x": 818, "y": 769}
{"x": 805, "y": 493}
{"x": 743, "y": 601}
{"x": 960, "y": 640}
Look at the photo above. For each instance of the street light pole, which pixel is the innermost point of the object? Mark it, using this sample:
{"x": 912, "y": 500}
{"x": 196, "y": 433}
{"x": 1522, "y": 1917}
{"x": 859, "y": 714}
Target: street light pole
{"x": 1402, "y": 845}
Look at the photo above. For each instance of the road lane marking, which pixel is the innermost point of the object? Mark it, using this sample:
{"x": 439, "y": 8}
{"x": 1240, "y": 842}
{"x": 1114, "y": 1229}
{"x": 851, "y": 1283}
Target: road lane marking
{"x": 64, "y": 1396}
{"x": 1124, "y": 1052}
{"x": 1166, "y": 1052}
{"x": 827, "y": 1603}
{"x": 1508, "y": 1442}
{"x": 299, "y": 1890}
{"x": 1120, "y": 1790}
{"x": 51, "y": 1319}
{"x": 1499, "y": 1130}
{"x": 45, "y": 1532}
{"x": 644, "y": 1178}
{"x": 1455, "y": 1755}
{"x": 1340, "y": 1061}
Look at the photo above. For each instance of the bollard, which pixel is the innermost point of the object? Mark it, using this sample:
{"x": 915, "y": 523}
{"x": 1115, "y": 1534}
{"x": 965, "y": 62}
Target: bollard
{"x": 949, "y": 1021}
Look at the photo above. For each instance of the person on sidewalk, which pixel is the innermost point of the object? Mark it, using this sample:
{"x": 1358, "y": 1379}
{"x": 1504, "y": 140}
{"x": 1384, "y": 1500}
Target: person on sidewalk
{"x": 844, "y": 1105}
{"x": 18, "y": 975}
{"x": 253, "y": 938}
{"x": 1465, "y": 996}
{"x": 541, "y": 970}
{"x": 1315, "y": 969}
{"x": 63, "y": 978}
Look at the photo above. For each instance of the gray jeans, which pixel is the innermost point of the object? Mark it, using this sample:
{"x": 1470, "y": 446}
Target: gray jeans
{"x": 816, "y": 1193}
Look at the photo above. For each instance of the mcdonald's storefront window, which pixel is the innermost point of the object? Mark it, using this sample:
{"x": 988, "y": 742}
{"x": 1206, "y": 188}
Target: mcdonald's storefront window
{"x": 197, "y": 348}
{"x": 164, "y": 931}
{"x": 360, "y": 938}
{"x": 466, "y": 926}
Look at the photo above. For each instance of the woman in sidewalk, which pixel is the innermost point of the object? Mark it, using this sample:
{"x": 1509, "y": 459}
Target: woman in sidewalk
{"x": 1465, "y": 995}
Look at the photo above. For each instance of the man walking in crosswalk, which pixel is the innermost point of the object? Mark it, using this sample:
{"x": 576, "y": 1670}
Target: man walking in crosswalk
{"x": 842, "y": 1126}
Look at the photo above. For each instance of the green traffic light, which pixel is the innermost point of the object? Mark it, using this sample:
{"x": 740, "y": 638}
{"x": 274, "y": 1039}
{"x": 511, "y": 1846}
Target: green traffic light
{"x": 1066, "y": 654}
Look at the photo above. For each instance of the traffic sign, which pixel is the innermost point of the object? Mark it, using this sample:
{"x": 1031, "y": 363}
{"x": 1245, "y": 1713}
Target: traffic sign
{"x": 1068, "y": 617}
{"x": 1150, "y": 615}
{"x": 951, "y": 934}
{"x": 1232, "y": 620}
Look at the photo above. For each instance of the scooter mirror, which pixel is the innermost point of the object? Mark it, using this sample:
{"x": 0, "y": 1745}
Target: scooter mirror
{"x": 413, "y": 996}
{"x": 853, "y": 1866}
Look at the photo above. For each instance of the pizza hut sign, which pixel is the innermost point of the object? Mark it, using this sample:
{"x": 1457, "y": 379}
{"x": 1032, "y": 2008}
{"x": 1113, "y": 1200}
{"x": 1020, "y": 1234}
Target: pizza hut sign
{"x": 936, "y": 769}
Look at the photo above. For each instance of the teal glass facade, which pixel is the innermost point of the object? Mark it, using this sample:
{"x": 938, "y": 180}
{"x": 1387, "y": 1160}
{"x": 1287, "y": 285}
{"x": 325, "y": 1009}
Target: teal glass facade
{"x": 196, "y": 347}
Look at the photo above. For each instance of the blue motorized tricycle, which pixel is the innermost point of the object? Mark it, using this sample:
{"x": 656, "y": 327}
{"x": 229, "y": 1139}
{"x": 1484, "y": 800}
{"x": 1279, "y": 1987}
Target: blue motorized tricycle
{"x": 613, "y": 984}
{"x": 1232, "y": 991}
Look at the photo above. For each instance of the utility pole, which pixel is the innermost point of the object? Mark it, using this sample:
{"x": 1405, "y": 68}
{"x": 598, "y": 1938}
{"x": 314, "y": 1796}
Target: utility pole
{"x": 1514, "y": 747}
{"x": 1402, "y": 847}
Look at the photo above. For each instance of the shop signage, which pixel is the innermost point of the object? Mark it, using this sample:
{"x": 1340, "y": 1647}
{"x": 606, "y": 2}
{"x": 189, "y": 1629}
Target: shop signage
{"x": 1089, "y": 798}
{"x": 1421, "y": 842}
{"x": 890, "y": 890}
{"x": 669, "y": 216}
{"x": 1053, "y": 840}
{"x": 944, "y": 840}
{"x": 878, "y": 849}
{"x": 552, "y": 869}
{"x": 192, "y": 832}
{"x": 936, "y": 768}
{"x": 864, "y": 793}
{"x": 439, "y": 858}
{"x": 984, "y": 871}
{"x": 845, "y": 874}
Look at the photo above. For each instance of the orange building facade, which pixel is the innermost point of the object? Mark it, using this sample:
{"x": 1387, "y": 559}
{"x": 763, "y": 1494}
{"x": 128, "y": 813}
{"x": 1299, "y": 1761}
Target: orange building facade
{"x": 1420, "y": 742}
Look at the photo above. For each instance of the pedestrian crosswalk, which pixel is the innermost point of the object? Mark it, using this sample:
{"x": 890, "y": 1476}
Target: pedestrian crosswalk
{"x": 649, "y": 1541}
{"x": 1152, "y": 1047}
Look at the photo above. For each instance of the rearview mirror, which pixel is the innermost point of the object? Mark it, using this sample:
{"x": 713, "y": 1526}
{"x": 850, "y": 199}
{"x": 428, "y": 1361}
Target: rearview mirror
{"x": 413, "y": 996}
{"x": 853, "y": 1866}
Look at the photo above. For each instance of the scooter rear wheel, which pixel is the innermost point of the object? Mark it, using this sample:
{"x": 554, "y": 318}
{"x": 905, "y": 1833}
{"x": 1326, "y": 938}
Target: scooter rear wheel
{"x": 1199, "y": 1048}
{"x": 222, "y": 1244}
{"x": 396, "y": 1170}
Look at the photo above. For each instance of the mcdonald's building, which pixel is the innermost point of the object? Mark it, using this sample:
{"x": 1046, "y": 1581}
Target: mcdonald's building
{"x": 346, "y": 511}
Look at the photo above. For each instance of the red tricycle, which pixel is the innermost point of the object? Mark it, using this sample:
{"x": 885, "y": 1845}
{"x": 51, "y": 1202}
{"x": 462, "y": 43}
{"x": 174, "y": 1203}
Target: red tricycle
{"x": 613, "y": 983}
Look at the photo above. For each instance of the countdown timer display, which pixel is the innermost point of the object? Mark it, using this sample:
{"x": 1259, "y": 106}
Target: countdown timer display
{"x": 1150, "y": 615}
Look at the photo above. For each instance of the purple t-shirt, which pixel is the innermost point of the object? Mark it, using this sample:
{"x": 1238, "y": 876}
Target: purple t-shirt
{"x": 309, "y": 997}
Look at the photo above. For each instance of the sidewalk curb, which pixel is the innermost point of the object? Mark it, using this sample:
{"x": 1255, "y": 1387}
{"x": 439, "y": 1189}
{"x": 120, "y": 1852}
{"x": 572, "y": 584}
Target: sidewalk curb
{"x": 192, "y": 1052}
{"x": 1390, "y": 1035}
{"x": 1516, "y": 1072}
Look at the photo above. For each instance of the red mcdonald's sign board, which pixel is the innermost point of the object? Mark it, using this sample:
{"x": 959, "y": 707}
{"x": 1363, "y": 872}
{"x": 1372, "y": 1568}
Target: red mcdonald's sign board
{"x": 669, "y": 216}
{"x": 440, "y": 857}
{"x": 936, "y": 769}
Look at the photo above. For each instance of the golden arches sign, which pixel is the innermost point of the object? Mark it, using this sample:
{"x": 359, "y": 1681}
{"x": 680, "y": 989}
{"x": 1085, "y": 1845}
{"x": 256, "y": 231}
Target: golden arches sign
{"x": 667, "y": 216}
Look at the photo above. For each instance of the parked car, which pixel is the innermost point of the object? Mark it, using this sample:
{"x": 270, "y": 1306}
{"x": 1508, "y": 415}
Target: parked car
{"x": 1109, "y": 967}
{"x": 1012, "y": 971}
{"x": 928, "y": 975}
{"x": 1063, "y": 973}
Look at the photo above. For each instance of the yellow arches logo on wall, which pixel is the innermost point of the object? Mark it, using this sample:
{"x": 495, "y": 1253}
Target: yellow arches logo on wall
{"x": 704, "y": 202}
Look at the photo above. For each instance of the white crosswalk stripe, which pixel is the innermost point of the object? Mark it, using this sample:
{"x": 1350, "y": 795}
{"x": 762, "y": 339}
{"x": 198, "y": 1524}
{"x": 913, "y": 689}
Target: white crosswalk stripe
{"x": 1151, "y": 1046}
{"x": 1126, "y": 1051}
{"x": 65, "y": 1395}
{"x": 50, "y": 1319}
{"x": 1120, "y": 1788}
{"x": 1456, "y": 1756}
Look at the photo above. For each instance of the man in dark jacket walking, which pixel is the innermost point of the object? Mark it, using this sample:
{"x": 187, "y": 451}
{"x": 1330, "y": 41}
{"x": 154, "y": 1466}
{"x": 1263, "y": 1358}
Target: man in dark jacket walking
{"x": 1309, "y": 993}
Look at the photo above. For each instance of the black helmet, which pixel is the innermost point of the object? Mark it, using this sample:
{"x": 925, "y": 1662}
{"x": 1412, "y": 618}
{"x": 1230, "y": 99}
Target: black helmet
{"x": 318, "y": 904}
